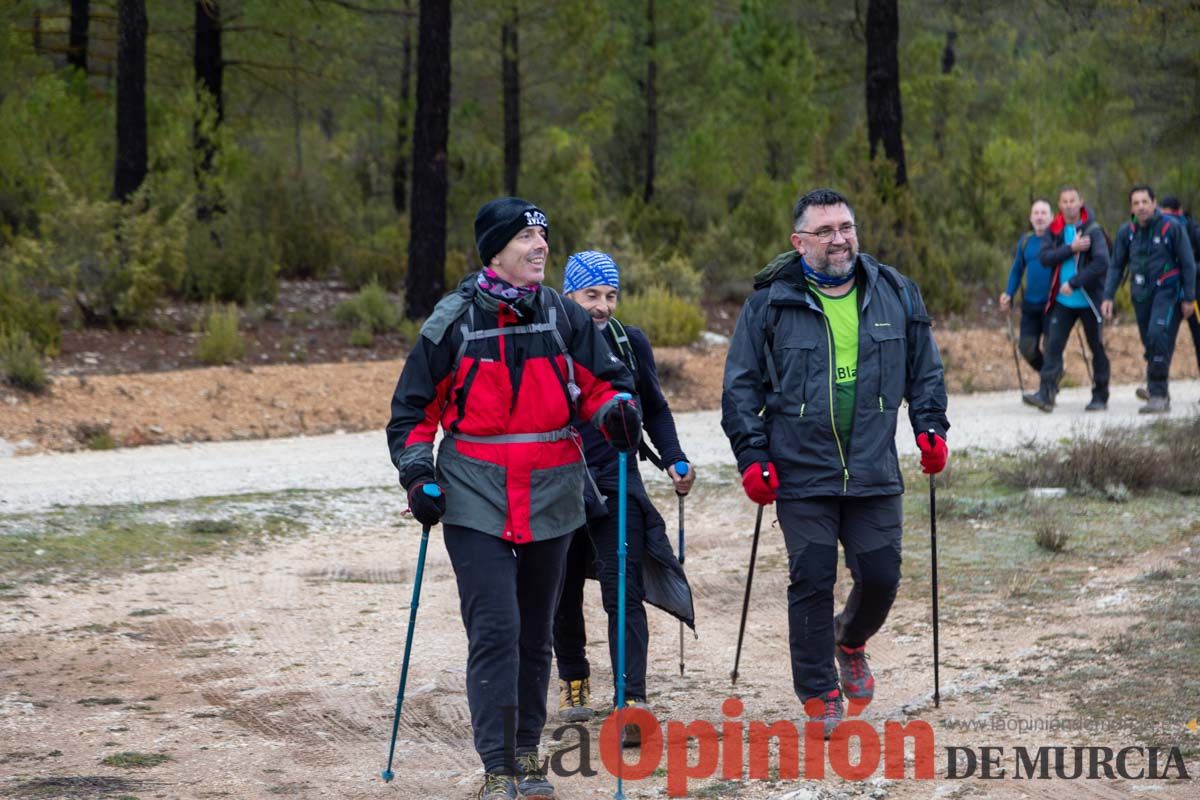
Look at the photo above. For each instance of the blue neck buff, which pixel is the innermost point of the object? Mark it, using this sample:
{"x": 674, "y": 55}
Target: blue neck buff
{"x": 821, "y": 279}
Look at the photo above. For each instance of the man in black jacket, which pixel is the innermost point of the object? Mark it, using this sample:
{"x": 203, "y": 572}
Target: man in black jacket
{"x": 1075, "y": 249}
{"x": 1156, "y": 250}
{"x": 653, "y": 573}
{"x": 826, "y": 349}
{"x": 1173, "y": 208}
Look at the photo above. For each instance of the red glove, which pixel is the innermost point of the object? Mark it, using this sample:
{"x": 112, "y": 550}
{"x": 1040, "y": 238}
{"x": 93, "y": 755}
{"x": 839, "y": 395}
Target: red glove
{"x": 933, "y": 453}
{"x": 760, "y": 489}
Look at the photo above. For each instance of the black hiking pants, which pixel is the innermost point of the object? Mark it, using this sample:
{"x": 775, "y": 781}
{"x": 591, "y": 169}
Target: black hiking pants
{"x": 507, "y": 595}
{"x": 1059, "y": 323}
{"x": 869, "y": 529}
{"x": 599, "y": 539}
{"x": 1158, "y": 323}
{"x": 1033, "y": 326}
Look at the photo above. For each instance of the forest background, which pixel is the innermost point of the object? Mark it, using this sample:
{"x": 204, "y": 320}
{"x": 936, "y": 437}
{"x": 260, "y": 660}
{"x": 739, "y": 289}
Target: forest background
{"x": 156, "y": 151}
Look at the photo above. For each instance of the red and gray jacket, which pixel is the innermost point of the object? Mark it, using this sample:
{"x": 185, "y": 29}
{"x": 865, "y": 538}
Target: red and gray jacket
{"x": 503, "y": 382}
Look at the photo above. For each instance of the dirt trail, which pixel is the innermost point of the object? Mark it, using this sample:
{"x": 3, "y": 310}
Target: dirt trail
{"x": 273, "y": 673}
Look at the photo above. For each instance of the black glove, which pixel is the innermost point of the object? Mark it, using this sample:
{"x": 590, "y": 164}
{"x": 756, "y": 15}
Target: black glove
{"x": 427, "y": 502}
{"x": 622, "y": 424}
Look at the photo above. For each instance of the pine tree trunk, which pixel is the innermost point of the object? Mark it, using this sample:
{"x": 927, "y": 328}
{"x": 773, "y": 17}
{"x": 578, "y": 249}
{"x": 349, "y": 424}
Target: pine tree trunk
{"x": 651, "y": 104}
{"x": 884, "y": 116}
{"x": 403, "y": 144}
{"x": 77, "y": 43}
{"x": 425, "y": 280}
{"x": 132, "y": 28}
{"x": 511, "y": 76}
{"x": 209, "y": 67}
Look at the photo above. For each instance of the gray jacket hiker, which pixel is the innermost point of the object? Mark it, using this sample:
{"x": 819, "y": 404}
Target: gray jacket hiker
{"x": 779, "y": 364}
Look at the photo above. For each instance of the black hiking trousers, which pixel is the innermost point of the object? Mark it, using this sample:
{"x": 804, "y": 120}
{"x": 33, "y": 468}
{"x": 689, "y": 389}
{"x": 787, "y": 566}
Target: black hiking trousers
{"x": 869, "y": 529}
{"x": 599, "y": 539}
{"x": 1059, "y": 324}
{"x": 507, "y": 595}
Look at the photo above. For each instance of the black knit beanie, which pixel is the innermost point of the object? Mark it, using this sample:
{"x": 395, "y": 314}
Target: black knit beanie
{"x": 502, "y": 219}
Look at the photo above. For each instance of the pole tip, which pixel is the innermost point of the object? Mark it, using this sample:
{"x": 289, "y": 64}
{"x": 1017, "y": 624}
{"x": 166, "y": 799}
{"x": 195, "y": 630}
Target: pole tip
{"x": 733, "y": 677}
{"x": 387, "y": 776}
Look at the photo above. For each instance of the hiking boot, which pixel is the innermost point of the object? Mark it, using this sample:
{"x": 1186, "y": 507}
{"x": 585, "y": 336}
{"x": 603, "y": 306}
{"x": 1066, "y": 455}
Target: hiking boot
{"x": 1156, "y": 405}
{"x": 1096, "y": 405}
{"x": 825, "y": 708}
{"x": 497, "y": 787}
{"x": 631, "y": 736}
{"x": 532, "y": 777}
{"x": 573, "y": 701}
{"x": 1142, "y": 393}
{"x": 1040, "y": 400}
{"x": 857, "y": 681}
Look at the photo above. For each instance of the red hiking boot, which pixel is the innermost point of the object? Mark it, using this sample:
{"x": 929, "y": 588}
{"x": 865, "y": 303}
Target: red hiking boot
{"x": 857, "y": 681}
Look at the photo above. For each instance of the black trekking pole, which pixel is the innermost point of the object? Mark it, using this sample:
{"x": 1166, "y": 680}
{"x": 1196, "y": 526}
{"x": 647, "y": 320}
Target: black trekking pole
{"x": 937, "y": 696}
{"x": 1087, "y": 362}
{"x": 681, "y": 468}
{"x": 1016, "y": 358}
{"x": 749, "y": 582}
{"x": 412, "y": 620}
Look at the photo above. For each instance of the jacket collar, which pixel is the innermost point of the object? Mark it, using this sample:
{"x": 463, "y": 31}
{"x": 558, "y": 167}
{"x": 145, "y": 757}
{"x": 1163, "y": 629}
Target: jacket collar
{"x": 787, "y": 285}
{"x": 1056, "y": 227}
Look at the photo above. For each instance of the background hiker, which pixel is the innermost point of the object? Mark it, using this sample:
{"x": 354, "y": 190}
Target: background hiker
{"x": 1172, "y": 207}
{"x": 1075, "y": 248}
{"x": 654, "y": 574}
{"x": 1156, "y": 251}
{"x": 1037, "y": 285}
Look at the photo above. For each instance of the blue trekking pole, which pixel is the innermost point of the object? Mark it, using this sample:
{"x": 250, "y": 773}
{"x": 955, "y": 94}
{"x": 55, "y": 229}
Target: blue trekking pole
{"x": 681, "y": 467}
{"x": 622, "y": 458}
{"x": 433, "y": 491}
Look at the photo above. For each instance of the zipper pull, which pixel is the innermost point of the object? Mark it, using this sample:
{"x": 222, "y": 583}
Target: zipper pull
{"x": 802, "y": 405}
{"x": 880, "y": 404}
{"x": 845, "y": 479}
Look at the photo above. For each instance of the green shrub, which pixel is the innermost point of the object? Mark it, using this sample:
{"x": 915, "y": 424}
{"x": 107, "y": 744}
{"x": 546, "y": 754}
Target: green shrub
{"x": 361, "y": 337}
{"x": 379, "y": 258}
{"x": 22, "y": 284}
{"x": 666, "y": 319}
{"x": 371, "y": 310}
{"x": 221, "y": 343}
{"x": 119, "y": 258}
{"x": 20, "y": 361}
{"x": 231, "y": 260}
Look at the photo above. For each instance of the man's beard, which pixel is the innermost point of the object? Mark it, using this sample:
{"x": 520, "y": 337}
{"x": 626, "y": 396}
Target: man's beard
{"x": 824, "y": 266}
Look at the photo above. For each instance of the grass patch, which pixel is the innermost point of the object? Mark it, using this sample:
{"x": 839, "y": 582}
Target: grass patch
{"x": 368, "y": 312}
{"x": 221, "y": 343}
{"x": 133, "y": 760}
{"x": 81, "y": 543}
{"x": 1118, "y": 461}
{"x": 1136, "y": 678}
{"x": 21, "y": 362}
{"x": 94, "y": 436}
{"x": 81, "y": 787}
{"x": 1049, "y": 535}
{"x": 211, "y": 526}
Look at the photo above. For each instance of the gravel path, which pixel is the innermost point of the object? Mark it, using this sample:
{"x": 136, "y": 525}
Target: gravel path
{"x": 994, "y": 421}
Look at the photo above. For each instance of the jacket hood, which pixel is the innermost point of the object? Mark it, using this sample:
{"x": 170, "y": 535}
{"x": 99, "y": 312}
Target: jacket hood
{"x": 779, "y": 265}
{"x": 1056, "y": 227}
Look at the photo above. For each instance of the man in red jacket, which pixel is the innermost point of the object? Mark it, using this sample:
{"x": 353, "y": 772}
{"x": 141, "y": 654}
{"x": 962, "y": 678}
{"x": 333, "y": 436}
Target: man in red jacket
{"x": 503, "y": 364}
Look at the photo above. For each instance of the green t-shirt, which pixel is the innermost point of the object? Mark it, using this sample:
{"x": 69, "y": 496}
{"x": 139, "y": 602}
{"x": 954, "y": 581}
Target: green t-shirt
{"x": 842, "y": 313}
